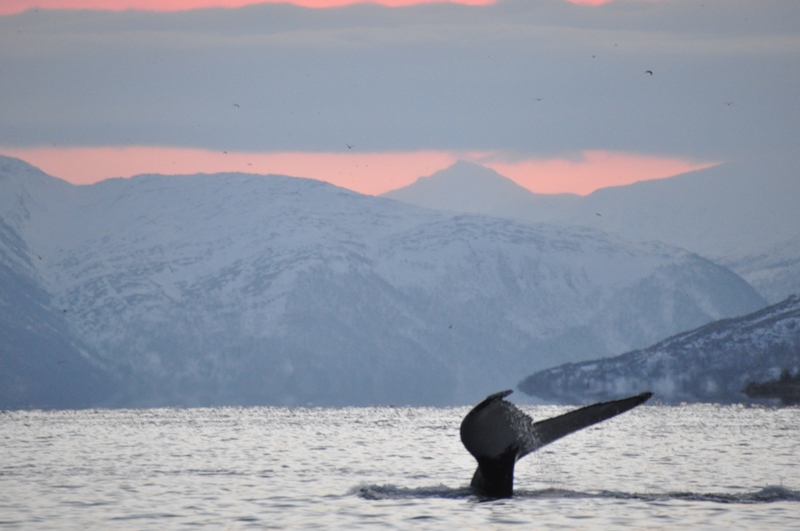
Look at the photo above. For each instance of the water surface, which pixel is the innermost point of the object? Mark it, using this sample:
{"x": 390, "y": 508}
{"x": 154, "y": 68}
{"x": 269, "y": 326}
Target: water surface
{"x": 698, "y": 466}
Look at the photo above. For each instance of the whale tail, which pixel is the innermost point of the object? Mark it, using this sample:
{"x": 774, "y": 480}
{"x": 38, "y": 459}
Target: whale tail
{"x": 497, "y": 433}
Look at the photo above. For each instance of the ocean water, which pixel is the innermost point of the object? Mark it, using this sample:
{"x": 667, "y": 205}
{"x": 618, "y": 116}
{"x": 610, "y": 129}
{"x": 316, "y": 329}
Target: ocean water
{"x": 656, "y": 467}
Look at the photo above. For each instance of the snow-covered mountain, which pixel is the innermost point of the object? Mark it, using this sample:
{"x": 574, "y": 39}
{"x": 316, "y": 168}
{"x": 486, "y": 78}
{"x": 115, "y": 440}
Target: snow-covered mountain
{"x": 246, "y": 289}
{"x": 730, "y": 213}
{"x": 469, "y": 187}
{"x": 711, "y": 364}
{"x": 41, "y": 362}
{"x": 773, "y": 272}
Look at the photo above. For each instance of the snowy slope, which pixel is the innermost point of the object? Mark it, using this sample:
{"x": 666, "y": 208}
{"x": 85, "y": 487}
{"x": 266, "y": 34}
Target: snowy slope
{"x": 712, "y": 363}
{"x": 245, "y": 289}
{"x": 725, "y": 213}
{"x": 42, "y": 363}
{"x": 774, "y": 272}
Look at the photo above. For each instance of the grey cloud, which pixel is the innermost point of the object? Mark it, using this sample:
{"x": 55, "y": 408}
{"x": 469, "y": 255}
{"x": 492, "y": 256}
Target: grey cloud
{"x": 538, "y": 77}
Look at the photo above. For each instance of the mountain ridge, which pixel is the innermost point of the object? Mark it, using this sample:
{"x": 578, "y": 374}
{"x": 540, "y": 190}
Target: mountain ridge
{"x": 238, "y": 289}
{"x": 731, "y": 213}
{"x": 712, "y": 363}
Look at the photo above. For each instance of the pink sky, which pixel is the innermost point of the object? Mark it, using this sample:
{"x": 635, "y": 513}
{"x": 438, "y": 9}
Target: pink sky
{"x": 367, "y": 173}
{"x": 8, "y": 7}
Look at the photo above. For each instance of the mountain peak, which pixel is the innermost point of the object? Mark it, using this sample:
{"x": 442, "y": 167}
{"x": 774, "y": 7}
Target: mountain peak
{"x": 463, "y": 187}
{"x": 14, "y": 168}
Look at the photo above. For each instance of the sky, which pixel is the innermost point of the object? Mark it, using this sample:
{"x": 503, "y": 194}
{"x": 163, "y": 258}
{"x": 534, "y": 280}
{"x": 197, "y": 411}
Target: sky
{"x": 560, "y": 96}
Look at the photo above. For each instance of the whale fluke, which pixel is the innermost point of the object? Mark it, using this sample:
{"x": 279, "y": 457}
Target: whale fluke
{"x": 498, "y": 434}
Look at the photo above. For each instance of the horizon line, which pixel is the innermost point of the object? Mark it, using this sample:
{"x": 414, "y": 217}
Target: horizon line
{"x": 580, "y": 173}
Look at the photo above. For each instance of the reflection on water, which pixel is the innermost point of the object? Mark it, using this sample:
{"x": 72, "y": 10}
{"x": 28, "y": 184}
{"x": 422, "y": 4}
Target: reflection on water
{"x": 699, "y": 466}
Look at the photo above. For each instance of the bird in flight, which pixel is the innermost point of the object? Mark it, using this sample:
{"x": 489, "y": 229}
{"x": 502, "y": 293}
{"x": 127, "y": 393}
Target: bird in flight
{"x": 348, "y": 145}
{"x": 648, "y": 72}
{"x": 236, "y": 105}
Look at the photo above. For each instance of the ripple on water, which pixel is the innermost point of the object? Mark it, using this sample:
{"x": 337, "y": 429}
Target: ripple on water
{"x": 689, "y": 466}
